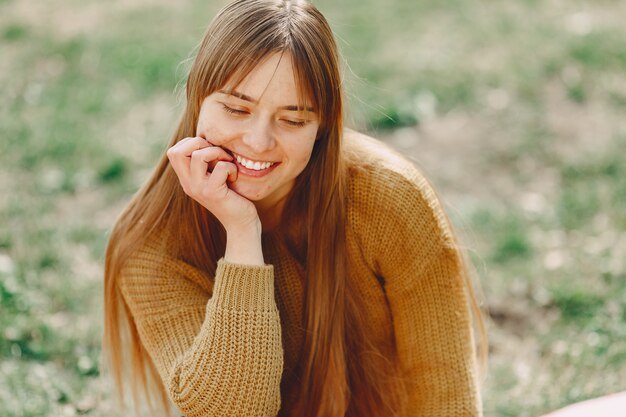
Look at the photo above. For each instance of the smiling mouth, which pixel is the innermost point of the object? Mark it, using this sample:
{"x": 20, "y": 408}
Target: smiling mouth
{"x": 250, "y": 164}
{"x": 251, "y": 168}
{"x": 255, "y": 165}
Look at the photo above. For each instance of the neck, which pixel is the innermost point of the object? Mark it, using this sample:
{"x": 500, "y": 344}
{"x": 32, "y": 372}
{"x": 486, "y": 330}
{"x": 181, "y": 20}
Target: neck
{"x": 270, "y": 209}
{"x": 270, "y": 214}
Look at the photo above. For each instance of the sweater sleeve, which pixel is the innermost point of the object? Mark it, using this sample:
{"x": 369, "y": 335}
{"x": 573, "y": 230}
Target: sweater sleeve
{"x": 414, "y": 253}
{"x": 433, "y": 337}
{"x": 218, "y": 355}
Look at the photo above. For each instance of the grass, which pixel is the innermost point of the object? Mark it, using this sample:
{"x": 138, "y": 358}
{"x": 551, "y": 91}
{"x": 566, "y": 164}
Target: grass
{"x": 517, "y": 120}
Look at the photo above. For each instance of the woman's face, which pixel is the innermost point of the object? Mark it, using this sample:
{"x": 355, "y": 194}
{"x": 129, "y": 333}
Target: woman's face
{"x": 260, "y": 124}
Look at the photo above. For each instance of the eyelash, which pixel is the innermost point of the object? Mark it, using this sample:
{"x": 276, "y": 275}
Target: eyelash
{"x": 295, "y": 124}
{"x": 241, "y": 112}
{"x": 233, "y": 111}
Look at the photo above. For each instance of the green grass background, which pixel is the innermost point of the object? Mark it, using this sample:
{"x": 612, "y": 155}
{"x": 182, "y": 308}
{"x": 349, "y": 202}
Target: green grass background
{"x": 514, "y": 109}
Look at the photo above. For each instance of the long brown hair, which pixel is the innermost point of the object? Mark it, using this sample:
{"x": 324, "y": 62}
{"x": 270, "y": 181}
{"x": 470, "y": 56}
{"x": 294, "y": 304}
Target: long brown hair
{"x": 343, "y": 372}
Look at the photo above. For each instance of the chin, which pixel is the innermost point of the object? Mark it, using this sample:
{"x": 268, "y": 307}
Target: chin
{"x": 252, "y": 193}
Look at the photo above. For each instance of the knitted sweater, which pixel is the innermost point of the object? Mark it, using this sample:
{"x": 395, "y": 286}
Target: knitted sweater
{"x": 221, "y": 344}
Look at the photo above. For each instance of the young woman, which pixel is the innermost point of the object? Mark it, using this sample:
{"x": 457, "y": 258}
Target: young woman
{"x": 277, "y": 264}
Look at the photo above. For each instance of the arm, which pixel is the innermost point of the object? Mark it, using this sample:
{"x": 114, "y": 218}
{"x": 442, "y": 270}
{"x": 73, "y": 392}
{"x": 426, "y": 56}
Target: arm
{"x": 435, "y": 344}
{"x": 414, "y": 252}
{"x": 218, "y": 355}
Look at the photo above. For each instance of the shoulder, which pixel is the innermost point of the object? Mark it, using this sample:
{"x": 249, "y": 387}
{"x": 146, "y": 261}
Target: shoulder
{"x": 386, "y": 190}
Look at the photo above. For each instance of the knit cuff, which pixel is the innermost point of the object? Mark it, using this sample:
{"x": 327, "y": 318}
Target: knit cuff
{"x": 244, "y": 287}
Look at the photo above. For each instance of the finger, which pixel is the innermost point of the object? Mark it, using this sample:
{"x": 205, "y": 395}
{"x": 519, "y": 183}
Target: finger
{"x": 181, "y": 143}
{"x": 183, "y": 149}
{"x": 223, "y": 170}
{"x": 201, "y": 160}
{"x": 233, "y": 174}
{"x": 180, "y": 155}
{"x": 187, "y": 139}
{"x": 178, "y": 161}
{"x": 195, "y": 144}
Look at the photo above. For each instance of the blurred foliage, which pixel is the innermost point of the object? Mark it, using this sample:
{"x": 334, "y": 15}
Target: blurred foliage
{"x": 533, "y": 92}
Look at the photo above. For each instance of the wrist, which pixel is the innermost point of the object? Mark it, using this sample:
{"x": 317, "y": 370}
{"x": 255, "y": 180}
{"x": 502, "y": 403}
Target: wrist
{"x": 243, "y": 246}
{"x": 248, "y": 230}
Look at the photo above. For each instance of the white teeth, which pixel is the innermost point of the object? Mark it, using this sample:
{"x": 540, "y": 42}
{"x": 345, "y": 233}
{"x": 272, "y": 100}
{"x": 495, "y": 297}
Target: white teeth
{"x": 257, "y": 166}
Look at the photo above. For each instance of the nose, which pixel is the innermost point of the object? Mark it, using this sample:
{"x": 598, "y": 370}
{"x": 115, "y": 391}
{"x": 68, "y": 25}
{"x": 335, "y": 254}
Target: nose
{"x": 259, "y": 136}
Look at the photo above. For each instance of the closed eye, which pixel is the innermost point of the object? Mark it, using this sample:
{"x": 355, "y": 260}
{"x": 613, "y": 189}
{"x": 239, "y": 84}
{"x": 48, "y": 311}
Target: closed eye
{"x": 295, "y": 123}
{"x": 233, "y": 111}
{"x": 238, "y": 112}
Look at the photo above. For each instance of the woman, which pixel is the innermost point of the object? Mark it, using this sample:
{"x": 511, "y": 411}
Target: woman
{"x": 275, "y": 264}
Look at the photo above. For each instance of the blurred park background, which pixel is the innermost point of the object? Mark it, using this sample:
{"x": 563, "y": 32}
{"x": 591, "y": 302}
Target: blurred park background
{"x": 514, "y": 109}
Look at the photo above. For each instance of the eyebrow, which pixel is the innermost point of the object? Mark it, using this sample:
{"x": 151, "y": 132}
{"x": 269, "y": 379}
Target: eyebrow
{"x": 251, "y": 100}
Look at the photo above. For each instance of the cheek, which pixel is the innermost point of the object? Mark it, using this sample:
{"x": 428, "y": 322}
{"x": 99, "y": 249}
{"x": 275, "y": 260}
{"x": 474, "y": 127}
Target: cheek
{"x": 297, "y": 155}
{"x": 304, "y": 154}
{"x": 214, "y": 135}
{"x": 213, "y": 132}
{"x": 212, "y": 126}
{"x": 303, "y": 160}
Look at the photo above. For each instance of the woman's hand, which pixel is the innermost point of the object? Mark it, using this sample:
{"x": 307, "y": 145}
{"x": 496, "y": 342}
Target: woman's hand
{"x": 203, "y": 171}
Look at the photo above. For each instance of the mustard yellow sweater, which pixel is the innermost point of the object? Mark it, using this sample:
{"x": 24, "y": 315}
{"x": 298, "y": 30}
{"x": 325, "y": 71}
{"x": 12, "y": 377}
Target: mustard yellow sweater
{"x": 221, "y": 344}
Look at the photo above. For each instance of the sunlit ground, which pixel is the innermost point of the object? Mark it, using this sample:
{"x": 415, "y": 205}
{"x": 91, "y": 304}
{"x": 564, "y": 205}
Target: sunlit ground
{"x": 513, "y": 109}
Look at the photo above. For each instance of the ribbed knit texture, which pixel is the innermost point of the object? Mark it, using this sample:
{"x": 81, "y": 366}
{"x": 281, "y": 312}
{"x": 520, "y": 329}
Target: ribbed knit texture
{"x": 221, "y": 344}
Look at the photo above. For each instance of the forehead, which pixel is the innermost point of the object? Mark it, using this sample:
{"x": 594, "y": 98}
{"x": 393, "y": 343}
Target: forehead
{"x": 272, "y": 79}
